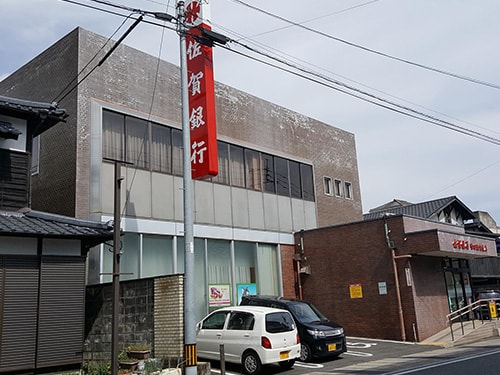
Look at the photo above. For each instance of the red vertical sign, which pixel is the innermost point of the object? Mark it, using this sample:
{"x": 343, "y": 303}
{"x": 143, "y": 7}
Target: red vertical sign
{"x": 202, "y": 121}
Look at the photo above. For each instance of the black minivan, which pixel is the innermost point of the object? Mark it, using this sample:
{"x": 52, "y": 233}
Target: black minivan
{"x": 319, "y": 337}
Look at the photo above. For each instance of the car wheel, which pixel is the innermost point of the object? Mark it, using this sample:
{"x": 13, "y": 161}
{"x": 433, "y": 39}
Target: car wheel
{"x": 251, "y": 363}
{"x": 287, "y": 365}
{"x": 305, "y": 352}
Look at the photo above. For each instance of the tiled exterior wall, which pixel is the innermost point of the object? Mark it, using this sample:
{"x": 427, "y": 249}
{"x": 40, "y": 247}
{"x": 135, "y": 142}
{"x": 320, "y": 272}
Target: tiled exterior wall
{"x": 127, "y": 79}
{"x": 287, "y": 267}
{"x": 169, "y": 326}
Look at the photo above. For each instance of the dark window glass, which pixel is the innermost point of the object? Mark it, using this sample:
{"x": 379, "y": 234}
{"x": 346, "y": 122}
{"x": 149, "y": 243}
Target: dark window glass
{"x": 161, "y": 149}
{"x": 279, "y": 322}
{"x": 281, "y": 173}
{"x": 306, "y": 174}
{"x": 223, "y": 176}
{"x": 253, "y": 170}
{"x": 268, "y": 173}
{"x": 177, "y": 147}
{"x": 237, "y": 166}
{"x": 215, "y": 321}
{"x": 113, "y": 135}
{"x": 295, "y": 190}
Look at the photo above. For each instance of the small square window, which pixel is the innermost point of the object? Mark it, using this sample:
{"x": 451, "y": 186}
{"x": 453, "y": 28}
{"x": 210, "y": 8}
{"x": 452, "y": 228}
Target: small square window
{"x": 348, "y": 190}
{"x": 328, "y": 185}
{"x": 338, "y": 188}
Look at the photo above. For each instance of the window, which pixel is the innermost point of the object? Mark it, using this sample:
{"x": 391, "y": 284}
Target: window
{"x": 338, "y": 188}
{"x": 35, "y": 155}
{"x": 294, "y": 170}
{"x": 241, "y": 321}
{"x": 252, "y": 170}
{"x": 223, "y": 175}
{"x": 237, "y": 166}
{"x": 282, "y": 181}
{"x": 328, "y": 186}
{"x": 348, "y": 190}
{"x": 177, "y": 150}
{"x": 113, "y": 135}
{"x": 268, "y": 173}
{"x": 161, "y": 149}
{"x": 215, "y": 321}
{"x": 306, "y": 173}
{"x": 137, "y": 142}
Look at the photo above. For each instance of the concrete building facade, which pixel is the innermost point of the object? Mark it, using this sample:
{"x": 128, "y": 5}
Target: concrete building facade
{"x": 279, "y": 171}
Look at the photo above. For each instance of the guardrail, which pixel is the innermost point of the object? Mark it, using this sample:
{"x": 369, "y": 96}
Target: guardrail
{"x": 479, "y": 309}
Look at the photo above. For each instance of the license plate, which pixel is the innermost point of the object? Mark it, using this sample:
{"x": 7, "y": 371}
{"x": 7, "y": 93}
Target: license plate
{"x": 284, "y": 355}
{"x": 332, "y": 347}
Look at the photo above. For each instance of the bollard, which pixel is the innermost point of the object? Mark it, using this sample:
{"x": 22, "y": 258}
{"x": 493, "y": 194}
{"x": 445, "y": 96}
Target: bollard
{"x": 222, "y": 360}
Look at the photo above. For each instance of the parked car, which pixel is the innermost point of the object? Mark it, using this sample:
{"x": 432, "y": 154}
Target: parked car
{"x": 319, "y": 337}
{"x": 251, "y": 335}
{"x": 486, "y": 296}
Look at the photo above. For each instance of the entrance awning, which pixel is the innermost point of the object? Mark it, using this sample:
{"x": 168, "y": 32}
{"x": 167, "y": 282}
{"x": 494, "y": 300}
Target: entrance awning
{"x": 447, "y": 244}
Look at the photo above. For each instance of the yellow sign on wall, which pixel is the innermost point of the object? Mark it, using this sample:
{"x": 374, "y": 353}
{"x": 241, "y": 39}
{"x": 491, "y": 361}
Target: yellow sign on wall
{"x": 493, "y": 309}
{"x": 355, "y": 291}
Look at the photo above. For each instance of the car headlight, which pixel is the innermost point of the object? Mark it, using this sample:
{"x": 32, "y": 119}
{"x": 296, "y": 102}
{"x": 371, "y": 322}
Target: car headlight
{"x": 316, "y": 333}
{"x": 338, "y": 331}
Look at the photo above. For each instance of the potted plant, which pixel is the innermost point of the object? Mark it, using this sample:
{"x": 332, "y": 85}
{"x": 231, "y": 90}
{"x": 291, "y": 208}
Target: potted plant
{"x": 127, "y": 362}
{"x": 139, "y": 351}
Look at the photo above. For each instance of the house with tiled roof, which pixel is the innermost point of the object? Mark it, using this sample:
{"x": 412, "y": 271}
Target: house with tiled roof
{"x": 42, "y": 255}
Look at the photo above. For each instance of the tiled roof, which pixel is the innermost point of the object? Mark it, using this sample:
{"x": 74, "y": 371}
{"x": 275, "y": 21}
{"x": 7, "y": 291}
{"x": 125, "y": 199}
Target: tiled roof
{"x": 423, "y": 210}
{"x": 41, "y": 224}
{"x": 46, "y": 114}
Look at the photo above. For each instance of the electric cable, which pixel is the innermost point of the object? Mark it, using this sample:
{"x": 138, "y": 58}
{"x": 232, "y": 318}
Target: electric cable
{"x": 436, "y": 70}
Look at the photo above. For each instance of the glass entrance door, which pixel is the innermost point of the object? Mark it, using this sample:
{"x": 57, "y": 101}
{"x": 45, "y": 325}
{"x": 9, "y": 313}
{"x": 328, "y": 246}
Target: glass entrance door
{"x": 457, "y": 278}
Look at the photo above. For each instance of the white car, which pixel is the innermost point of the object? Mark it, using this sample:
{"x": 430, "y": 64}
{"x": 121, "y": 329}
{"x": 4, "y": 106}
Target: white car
{"x": 251, "y": 335}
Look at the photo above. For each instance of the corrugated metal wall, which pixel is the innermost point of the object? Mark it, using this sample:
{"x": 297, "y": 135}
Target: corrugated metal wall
{"x": 42, "y": 311}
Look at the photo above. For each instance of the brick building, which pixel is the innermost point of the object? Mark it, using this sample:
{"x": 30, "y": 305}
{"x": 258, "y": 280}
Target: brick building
{"x": 357, "y": 273}
{"x": 279, "y": 171}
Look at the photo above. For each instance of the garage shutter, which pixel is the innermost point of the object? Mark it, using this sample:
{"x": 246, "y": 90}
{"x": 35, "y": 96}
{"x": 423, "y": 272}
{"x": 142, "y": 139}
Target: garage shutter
{"x": 62, "y": 311}
{"x": 19, "y": 297}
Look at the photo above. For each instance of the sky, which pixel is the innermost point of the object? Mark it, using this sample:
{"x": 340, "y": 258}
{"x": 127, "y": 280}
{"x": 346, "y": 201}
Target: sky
{"x": 437, "y": 58}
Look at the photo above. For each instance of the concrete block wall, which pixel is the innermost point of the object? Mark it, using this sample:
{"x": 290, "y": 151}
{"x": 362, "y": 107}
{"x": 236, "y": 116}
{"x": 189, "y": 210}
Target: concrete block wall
{"x": 151, "y": 312}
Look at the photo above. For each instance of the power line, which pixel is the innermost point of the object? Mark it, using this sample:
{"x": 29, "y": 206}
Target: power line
{"x": 363, "y": 95}
{"x": 436, "y": 70}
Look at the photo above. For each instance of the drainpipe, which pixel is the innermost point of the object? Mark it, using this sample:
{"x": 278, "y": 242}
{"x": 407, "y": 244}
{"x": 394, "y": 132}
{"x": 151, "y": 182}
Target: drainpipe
{"x": 391, "y": 246}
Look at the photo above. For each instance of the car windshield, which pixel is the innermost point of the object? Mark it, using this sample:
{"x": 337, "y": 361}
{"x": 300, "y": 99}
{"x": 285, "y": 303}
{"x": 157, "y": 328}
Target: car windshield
{"x": 279, "y": 322}
{"x": 307, "y": 313}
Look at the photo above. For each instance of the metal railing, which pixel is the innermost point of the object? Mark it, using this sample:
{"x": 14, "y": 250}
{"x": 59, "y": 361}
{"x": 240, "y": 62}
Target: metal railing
{"x": 479, "y": 310}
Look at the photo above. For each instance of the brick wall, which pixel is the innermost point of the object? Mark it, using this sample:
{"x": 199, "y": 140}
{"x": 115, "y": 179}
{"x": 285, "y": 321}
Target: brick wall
{"x": 287, "y": 269}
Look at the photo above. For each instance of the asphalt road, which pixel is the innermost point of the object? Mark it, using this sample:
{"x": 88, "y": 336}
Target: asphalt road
{"x": 379, "y": 357}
